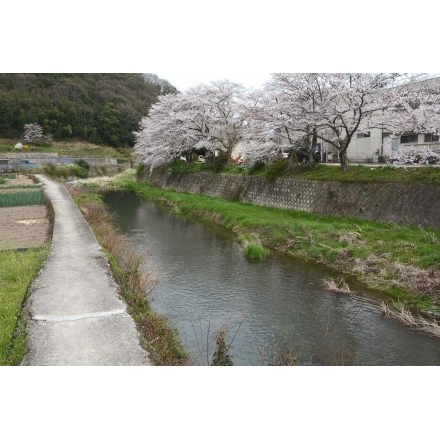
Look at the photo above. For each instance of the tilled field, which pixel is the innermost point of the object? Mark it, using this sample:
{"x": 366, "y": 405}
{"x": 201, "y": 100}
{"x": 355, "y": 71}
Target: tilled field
{"x": 23, "y": 227}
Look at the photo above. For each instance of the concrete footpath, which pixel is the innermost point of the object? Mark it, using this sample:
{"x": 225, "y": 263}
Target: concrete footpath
{"x": 77, "y": 317}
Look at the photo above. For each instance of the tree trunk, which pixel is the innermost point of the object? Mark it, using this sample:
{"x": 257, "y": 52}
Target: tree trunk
{"x": 312, "y": 148}
{"x": 343, "y": 160}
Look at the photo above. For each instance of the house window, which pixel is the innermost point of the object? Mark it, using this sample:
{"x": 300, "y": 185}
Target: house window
{"x": 409, "y": 139}
{"x": 363, "y": 135}
{"x": 431, "y": 137}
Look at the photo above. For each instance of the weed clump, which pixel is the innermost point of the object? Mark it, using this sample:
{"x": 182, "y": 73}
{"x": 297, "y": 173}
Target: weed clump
{"x": 80, "y": 169}
{"x": 337, "y": 286}
{"x": 221, "y": 355}
{"x": 404, "y": 315}
{"x": 253, "y": 249}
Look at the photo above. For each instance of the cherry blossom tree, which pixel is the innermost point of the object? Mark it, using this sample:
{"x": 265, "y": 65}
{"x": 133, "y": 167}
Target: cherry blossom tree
{"x": 415, "y": 108}
{"x": 414, "y": 155}
{"x": 330, "y": 107}
{"x": 206, "y": 117}
{"x": 264, "y": 130}
{"x": 32, "y": 133}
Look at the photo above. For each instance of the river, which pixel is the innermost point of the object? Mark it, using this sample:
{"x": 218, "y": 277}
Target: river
{"x": 205, "y": 282}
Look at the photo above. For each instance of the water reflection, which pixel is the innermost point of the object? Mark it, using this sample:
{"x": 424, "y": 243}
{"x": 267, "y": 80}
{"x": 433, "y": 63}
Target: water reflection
{"x": 279, "y": 304}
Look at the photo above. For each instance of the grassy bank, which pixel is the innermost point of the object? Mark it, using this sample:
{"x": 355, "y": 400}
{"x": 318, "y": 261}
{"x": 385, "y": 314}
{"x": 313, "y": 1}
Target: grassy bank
{"x": 75, "y": 149}
{"x": 403, "y": 261}
{"x": 429, "y": 174}
{"x": 17, "y": 270}
{"x": 157, "y": 336}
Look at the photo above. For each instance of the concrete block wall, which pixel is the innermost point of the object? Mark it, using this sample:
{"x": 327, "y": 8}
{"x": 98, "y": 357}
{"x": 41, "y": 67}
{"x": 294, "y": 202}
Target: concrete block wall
{"x": 397, "y": 203}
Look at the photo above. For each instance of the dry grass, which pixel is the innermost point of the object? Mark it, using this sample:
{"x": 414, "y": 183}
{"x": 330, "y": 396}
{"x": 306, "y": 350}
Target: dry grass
{"x": 377, "y": 269}
{"x": 414, "y": 321}
{"x": 351, "y": 238}
{"x": 424, "y": 281}
{"x": 337, "y": 286}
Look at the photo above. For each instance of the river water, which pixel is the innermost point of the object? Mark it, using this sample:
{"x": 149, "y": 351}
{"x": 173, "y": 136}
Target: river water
{"x": 268, "y": 307}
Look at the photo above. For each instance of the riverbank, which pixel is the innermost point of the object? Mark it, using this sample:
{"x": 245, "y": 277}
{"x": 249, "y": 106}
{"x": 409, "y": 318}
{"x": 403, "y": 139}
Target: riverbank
{"x": 409, "y": 203}
{"x": 401, "y": 261}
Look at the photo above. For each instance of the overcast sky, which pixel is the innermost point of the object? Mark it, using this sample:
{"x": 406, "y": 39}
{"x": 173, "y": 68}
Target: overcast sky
{"x": 184, "y": 80}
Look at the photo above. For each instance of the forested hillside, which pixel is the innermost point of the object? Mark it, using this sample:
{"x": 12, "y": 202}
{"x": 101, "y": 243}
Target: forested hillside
{"x": 96, "y": 107}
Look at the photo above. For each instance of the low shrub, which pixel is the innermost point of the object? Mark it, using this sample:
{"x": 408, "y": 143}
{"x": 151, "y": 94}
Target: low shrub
{"x": 80, "y": 172}
{"x": 140, "y": 171}
{"x": 217, "y": 163}
{"x": 66, "y": 171}
{"x": 53, "y": 170}
{"x": 180, "y": 166}
{"x": 276, "y": 169}
{"x": 83, "y": 164}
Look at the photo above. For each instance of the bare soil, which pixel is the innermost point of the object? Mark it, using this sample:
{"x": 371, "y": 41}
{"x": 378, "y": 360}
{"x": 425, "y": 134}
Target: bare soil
{"x": 23, "y": 227}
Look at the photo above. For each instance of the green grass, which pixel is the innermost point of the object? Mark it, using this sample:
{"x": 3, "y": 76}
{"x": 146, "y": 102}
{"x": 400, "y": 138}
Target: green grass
{"x": 253, "y": 249}
{"x": 364, "y": 249}
{"x": 17, "y": 270}
{"x": 22, "y": 198}
{"x": 5, "y": 148}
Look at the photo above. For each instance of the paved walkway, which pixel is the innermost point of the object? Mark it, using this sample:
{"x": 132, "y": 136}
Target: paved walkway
{"x": 77, "y": 317}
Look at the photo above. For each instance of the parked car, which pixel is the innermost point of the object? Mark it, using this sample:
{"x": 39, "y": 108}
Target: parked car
{"x": 302, "y": 154}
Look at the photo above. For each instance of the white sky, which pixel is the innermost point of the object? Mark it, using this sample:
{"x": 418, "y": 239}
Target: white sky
{"x": 184, "y": 80}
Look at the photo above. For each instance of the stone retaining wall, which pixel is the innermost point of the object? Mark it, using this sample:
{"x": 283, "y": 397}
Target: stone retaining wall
{"x": 393, "y": 202}
{"x": 15, "y": 159}
{"x": 29, "y": 155}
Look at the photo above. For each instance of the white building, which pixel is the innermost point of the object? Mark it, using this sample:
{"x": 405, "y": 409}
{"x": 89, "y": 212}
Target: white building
{"x": 378, "y": 143}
